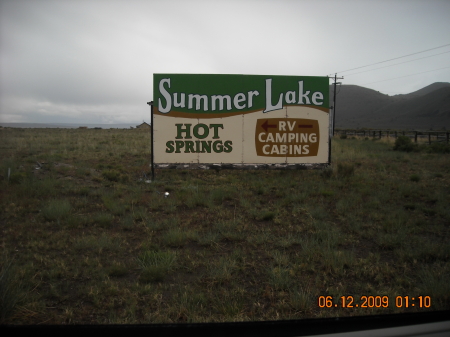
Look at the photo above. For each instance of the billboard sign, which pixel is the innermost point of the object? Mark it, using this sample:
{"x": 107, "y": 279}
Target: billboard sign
{"x": 240, "y": 119}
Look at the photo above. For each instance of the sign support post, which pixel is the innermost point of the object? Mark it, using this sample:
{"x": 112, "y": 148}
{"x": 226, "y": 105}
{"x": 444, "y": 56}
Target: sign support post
{"x": 152, "y": 157}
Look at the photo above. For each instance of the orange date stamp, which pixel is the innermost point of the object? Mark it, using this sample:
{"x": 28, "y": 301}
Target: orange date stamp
{"x": 373, "y": 302}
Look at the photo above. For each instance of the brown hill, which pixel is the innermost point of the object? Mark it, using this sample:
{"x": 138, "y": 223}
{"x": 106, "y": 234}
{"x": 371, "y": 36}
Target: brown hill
{"x": 424, "y": 109}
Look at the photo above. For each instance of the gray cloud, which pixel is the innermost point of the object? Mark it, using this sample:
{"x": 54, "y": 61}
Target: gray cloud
{"x": 94, "y": 60}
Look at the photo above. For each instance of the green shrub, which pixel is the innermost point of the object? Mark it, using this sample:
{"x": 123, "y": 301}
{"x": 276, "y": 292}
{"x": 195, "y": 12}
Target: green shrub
{"x": 117, "y": 270}
{"x": 16, "y": 177}
{"x": 103, "y": 219}
{"x": 343, "y": 137}
{"x": 327, "y": 172}
{"x": 221, "y": 270}
{"x": 208, "y": 239}
{"x": 111, "y": 175}
{"x": 268, "y": 215}
{"x": 139, "y": 213}
{"x": 345, "y": 169}
{"x": 414, "y": 177}
{"x": 127, "y": 223}
{"x": 409, "y": 207}
{"x": 404, "y": 143}
{"x": 326, "y": 193}
{"x": 429, "y": 212}
{"x": 155, "y": 265}
{"x": 152, "y": 274}
{"x": 156, "y": 258}
{"x": 56, "y": 209}
{"x": 174, "y": 238}
{"x": 300, "y": 299}
{"x": 11, "y": 290}
{"x": 99, "y": 243}
{"x": 434, "y": 281}
{"x": 116, "y": 207}
{"x": 83, "y": 191}
{"x": 280, "y": 278}
{"x": 439, "y": 148}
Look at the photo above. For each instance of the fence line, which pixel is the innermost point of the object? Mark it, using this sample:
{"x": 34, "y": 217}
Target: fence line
{"x": 438, "y": 136}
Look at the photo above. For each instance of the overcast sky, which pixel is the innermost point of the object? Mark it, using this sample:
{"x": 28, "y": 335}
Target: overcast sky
{"x": 93, "y": 61}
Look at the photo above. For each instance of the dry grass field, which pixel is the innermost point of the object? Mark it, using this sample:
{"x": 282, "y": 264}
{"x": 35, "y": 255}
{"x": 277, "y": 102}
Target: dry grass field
{"x": 85, "y": 239}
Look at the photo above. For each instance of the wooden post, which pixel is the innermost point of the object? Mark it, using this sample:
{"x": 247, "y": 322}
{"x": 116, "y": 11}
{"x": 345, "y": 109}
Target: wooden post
{"x": 415, "y": 137}
{"x": 429, "y": 138}
{"x": 448, "y": 137}
{"x": 152, "y": 158}
{"x": 380, "y": 134}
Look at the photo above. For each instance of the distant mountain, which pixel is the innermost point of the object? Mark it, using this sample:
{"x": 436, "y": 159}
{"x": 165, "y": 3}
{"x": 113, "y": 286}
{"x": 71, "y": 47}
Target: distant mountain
{"x": 424, "y": 109}
{"x": 424, "y": 91}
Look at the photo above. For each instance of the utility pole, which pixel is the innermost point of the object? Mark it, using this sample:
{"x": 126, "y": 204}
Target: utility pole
{"x": 334, "y": 99}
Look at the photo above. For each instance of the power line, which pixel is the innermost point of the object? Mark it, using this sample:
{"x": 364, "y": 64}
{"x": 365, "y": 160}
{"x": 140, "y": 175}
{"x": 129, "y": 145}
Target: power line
{"x": 365, "y": 71}
{"x": 395, "y": 58}
{"x": 405, "y": 76}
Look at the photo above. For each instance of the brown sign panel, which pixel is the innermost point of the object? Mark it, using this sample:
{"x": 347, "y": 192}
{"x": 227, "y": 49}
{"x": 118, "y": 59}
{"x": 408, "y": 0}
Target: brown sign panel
{"x": 287, "y": 137}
